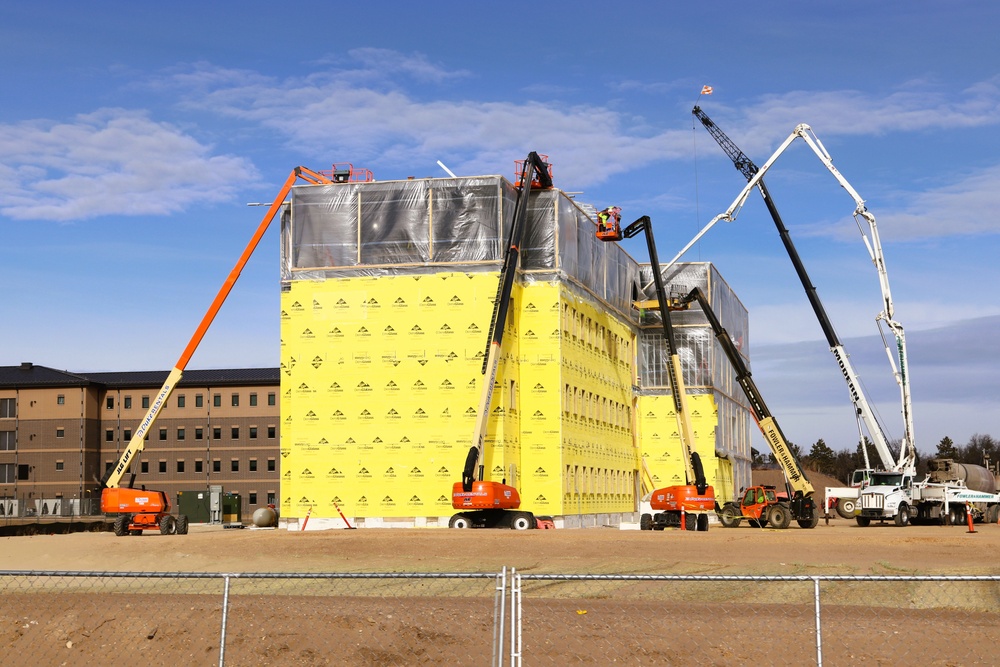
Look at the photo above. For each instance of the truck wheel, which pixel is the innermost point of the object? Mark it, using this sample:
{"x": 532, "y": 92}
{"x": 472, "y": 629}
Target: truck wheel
{"x": 121, "y": 525}
{"x": 522, "y": 521}
{"x": 181, "y": 525}
{"x": 902, "y": 517}
{"x": 703, "y": 523}
{"x": 993, "y": 514}
{"x": 730, "y": 516}
{"x": 460, "y": 521}
{"x": 779, "y": 517}
{"x": 167, "y": 525}
{"x": 845, "y": 507}
{"x": 646, "y": 522}
{"x": 863, "y": 521}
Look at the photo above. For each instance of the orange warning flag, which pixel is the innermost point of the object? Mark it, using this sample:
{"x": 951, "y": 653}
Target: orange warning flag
{"x": 706, "y": 90}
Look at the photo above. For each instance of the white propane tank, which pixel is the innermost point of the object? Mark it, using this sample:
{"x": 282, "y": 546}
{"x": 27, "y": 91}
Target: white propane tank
{"x": 265, "y": 517}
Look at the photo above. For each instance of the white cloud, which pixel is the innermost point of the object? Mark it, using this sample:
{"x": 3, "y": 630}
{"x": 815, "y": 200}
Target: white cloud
{"x": 362, "y": 113}
{"x": 110, "y": 162}
{"x": 368, "y": 108}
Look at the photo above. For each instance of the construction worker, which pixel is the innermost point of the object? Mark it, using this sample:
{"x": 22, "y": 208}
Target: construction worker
{"x": 609, "y": 220}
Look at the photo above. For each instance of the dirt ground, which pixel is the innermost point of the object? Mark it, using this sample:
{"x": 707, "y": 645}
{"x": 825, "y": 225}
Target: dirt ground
{"x": 839, "y": 547}
{"x": 294, "y": 623}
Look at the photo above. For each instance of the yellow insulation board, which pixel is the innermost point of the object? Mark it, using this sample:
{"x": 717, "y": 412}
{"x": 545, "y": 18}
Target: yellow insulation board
{"x": 380, "y": 384}
{"x": 381, "y": 379}
{"x": 598, "y": 454}
{"x": 661, "y": 446}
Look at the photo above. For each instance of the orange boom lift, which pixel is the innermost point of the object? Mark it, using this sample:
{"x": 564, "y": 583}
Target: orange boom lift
{"x": 685, "y": 505}
{"x": 483, "y": 503}
{"x": 137, "y": 510}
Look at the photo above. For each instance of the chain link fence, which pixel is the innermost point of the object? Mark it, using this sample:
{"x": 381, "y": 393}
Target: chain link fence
{"x": 505, "y": 618}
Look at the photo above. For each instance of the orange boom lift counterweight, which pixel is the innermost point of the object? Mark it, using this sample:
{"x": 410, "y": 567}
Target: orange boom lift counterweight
{"x": 137, "y": 510}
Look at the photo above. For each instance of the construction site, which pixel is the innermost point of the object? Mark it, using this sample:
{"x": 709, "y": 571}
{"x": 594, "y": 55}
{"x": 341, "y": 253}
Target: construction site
{"x": 485, "y": 352}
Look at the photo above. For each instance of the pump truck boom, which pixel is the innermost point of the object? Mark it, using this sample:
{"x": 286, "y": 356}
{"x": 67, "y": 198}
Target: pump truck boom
{"x": 863, "y": 410}
{"x": 843, "y": 496}
{"x": 689, "y": 505}
{"x": 137, "y": 510}
{"x": 484, "y": 503}
{"x": 800, "y": 505}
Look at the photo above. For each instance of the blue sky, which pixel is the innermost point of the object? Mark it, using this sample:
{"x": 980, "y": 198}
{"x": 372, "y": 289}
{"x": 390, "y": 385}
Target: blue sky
{"x": 132, "y": 136}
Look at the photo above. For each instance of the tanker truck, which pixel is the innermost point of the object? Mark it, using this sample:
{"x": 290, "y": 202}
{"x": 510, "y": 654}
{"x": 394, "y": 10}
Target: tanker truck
{"x": 949, "y": 491}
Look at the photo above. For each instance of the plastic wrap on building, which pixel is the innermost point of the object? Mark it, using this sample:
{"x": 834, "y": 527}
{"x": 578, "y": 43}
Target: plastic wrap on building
{"x": 401, "y": 227}
{"x": 704, "y": 364}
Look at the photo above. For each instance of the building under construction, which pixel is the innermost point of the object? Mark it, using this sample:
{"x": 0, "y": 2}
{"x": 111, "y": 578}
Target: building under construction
{"x": 387, "y": 294}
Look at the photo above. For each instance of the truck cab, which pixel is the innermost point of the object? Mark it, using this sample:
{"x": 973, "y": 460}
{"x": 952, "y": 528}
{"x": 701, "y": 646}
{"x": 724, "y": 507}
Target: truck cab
{"x": 886, "y": 495}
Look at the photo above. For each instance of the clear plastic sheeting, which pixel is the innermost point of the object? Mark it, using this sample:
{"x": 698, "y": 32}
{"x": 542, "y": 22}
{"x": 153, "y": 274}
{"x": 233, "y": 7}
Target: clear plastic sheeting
{"x": 704, "y": 364}
{"x": 344, "y": 229}
{"x": 396, "y": 227}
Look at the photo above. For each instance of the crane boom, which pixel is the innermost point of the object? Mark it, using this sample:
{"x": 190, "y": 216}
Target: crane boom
{"x": 754, "y": 176}
{"x": 113, "y": 477}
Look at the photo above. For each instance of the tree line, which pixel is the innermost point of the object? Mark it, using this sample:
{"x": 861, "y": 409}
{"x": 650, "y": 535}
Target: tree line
{"x": 981, "y": 449}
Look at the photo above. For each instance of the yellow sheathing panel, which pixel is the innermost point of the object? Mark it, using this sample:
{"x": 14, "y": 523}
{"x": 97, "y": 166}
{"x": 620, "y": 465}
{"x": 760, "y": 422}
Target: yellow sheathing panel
{"x": 380, "y": 382}
{"x": 381, "y": 379}
{"x": 599, "y": 461}
{"x": 661, "y": 446}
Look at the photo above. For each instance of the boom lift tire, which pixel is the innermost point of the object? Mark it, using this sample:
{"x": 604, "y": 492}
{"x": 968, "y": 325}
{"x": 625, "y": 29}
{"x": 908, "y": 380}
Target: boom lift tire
{"x": 845, "y": 507}
{"x": 779, "y": 517}
{"x": 690, "y": 521}
{"x": 702, "y": 522}
{"x": 646, "y": 522}
{"x": 181, "y": 525}
{"x": 522, "y": 521}
{"x": 812, "y": 521}
{"x": 459, "y": 521}
{"x": 121, "y": 525}
{"x": 168, "y": 525}
{"x": 902, "y": 517}
{"x": 730, "y": 516}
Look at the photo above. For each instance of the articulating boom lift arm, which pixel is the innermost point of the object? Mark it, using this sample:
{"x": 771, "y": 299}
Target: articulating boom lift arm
{"x": 112, "y": 479}
{"x": 674, "y": 371}
{"x": 534, "y": 169}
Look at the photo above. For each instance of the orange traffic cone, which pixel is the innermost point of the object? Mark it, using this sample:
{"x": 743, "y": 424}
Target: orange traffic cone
{"x": 968, "y": 517}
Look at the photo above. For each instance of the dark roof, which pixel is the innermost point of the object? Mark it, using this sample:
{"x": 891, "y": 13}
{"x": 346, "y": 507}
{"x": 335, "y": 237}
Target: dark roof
{"x": 30, "y": 375}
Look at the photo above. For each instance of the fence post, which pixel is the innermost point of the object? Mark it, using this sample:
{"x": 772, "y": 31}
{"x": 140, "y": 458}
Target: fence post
{"x": 515, "y": 618}
{"x": 819, "y": 625}
{"x": 498, "y": 617}
{"x": 225, "y": 618}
